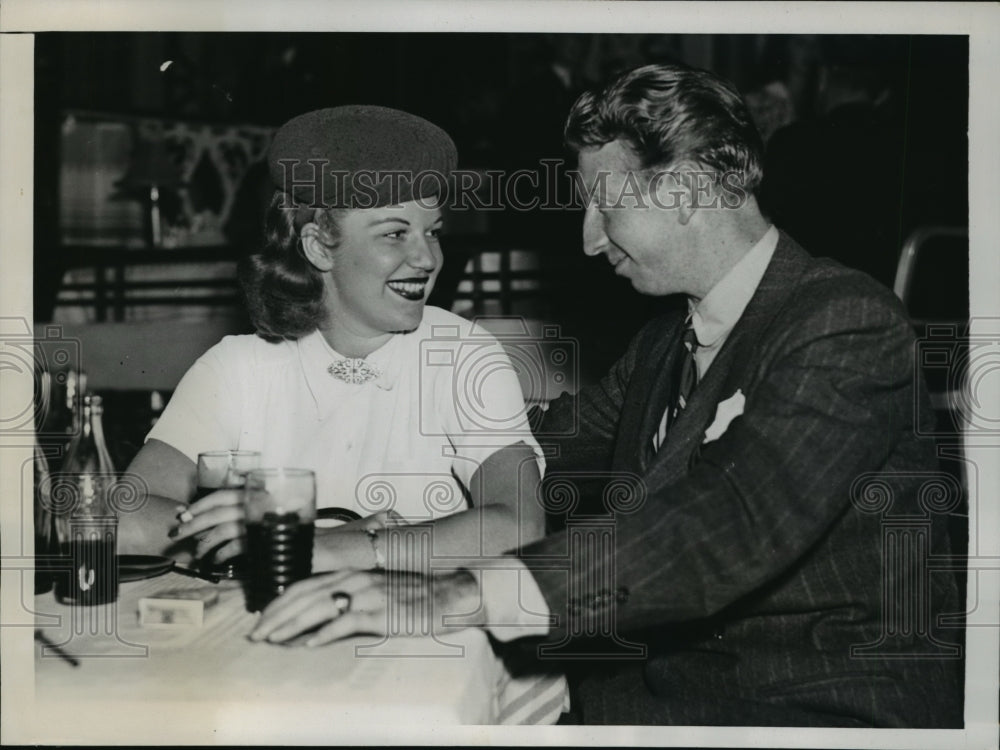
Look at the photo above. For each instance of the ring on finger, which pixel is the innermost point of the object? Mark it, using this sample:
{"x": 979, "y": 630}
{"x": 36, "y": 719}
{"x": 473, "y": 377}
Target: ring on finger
{"x": 342, "y": 601}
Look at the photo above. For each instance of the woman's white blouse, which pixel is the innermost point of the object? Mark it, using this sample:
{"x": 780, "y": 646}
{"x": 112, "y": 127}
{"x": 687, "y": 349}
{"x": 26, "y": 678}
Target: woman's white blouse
{"x": 412, "y": 439}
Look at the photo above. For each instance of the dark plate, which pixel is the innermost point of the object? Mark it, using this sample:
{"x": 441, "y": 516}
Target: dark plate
{"x": 137, "y": 567}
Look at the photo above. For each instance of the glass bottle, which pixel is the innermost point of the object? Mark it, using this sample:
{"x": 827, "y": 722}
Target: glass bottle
{"x": 46, "y": 533}
{"x": 88, "y": 450}
{"x": 90, "y": 542}
{"x": 76, "y": 386}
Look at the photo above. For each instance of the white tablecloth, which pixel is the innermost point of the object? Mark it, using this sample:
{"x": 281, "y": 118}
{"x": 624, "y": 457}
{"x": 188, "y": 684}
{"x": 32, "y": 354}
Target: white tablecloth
{"x": 216, "y": 686}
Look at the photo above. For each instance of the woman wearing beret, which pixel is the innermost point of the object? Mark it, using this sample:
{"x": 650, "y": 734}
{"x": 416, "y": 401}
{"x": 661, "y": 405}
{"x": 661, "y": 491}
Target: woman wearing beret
{"x": 394, "y": 405}
{"x": 350, "y": 374}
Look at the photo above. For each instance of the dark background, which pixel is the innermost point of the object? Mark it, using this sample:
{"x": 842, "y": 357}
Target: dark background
{"x": 498, "y": 97}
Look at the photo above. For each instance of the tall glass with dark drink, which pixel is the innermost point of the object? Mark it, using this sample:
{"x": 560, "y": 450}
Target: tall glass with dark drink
{"x": 217, "y": 470}
{"x": 280, "y": 508}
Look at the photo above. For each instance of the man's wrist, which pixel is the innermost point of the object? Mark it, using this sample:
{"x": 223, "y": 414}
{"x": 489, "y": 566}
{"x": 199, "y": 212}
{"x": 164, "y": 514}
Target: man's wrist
{"x": 457, "y": 597}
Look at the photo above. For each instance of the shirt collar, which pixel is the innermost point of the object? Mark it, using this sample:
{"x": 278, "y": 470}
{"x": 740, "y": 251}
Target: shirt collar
{"x": 316, "y": 355}
{"x": 719, "y": 310}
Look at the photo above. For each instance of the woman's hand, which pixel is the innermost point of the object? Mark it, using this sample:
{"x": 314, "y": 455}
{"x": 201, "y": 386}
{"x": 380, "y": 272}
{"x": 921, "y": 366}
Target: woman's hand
{"x": 215, "y": 523}
{"x": 339, "y": 605}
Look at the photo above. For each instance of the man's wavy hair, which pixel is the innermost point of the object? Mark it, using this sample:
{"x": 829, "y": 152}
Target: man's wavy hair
{"x": 669, "y": 113}
{"x": 283, "y": 290}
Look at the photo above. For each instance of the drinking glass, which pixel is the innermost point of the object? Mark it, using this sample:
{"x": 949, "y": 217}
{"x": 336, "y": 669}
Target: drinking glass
{"x": 280, "y": 511}
{"x": 225, "y": 469}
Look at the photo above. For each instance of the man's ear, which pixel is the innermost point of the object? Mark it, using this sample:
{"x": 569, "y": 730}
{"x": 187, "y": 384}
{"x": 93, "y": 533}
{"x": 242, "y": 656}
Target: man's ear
{"x": 675, "y": 190}
{"x": 316, "y": 251}
{"x": 698, "y": 192}
{"x": 687, "y": 208}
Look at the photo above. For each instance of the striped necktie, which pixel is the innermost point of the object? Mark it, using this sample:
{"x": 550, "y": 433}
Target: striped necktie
{"x": 684, "y": 381}
{"x": 687, "y": 372}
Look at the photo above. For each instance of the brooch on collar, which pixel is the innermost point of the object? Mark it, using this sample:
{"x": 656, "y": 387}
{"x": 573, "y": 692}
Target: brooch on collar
{"x": 354, "y": 370}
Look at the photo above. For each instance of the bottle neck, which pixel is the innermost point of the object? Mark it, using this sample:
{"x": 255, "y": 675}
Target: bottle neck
{"x": 87, "y": 422}
{"x": 91, "y": 424}
{"x": 76, "y": 388}
{"x": 88, "y": 452}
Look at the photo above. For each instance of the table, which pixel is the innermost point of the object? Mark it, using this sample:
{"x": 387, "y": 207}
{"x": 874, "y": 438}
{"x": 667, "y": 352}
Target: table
{"x": 210, "y": 684}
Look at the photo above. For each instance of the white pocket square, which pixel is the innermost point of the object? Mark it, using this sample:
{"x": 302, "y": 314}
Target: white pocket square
{"x": 725, "y": 413}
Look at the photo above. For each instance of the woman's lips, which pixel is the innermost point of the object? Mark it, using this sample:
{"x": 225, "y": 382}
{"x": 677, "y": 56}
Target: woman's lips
{"x": 410, "y": 289}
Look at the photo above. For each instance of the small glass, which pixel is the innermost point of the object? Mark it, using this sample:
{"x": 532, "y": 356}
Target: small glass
{"x": 225, "y": 469}
{"x": 280, "y": 511}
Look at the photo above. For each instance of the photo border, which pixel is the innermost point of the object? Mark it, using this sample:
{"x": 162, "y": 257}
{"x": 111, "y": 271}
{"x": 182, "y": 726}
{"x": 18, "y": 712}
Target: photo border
{"x": 980, "y": 22}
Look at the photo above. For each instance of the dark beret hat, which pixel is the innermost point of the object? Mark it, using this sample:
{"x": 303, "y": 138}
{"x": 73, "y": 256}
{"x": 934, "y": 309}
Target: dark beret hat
{"x": 360, "y": 156}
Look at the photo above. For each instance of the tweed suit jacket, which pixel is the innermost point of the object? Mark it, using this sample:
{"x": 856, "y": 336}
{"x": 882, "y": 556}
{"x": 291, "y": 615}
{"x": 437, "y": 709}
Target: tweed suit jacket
{"x": 759, "y": 572}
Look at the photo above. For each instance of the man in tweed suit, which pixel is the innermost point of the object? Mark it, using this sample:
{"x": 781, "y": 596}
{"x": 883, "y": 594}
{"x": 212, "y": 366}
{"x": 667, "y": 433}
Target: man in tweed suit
{"x": 754, "y": 575}
{"x": 753, "y": 572}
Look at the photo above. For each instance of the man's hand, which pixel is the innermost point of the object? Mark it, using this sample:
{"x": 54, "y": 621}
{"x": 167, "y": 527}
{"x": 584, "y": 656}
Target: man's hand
{"x": 346, "y": 603}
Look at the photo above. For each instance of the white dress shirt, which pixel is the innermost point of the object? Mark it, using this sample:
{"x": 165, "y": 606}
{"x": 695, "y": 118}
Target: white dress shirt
{"x": 718, "y": 312}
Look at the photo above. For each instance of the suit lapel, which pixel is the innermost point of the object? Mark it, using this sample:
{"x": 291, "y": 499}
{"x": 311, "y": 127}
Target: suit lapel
{"x": 731, "y": 368}
{"x": 647, "y": 394}
{"x": 659, "y": 390}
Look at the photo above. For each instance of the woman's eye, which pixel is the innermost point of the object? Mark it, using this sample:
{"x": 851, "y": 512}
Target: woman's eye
{"x": 397, "y": 235}
{"x": 434, "y": 233}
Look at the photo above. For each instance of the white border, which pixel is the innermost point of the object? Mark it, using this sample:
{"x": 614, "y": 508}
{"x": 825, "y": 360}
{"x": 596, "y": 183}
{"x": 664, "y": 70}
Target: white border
{"x": 16, "y": 202}
{"x": 498, "y": 15}
{"x": 980, "y": 21}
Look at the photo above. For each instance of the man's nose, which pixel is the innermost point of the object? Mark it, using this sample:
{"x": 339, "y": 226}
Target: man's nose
{"x": 595, "y": 241}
